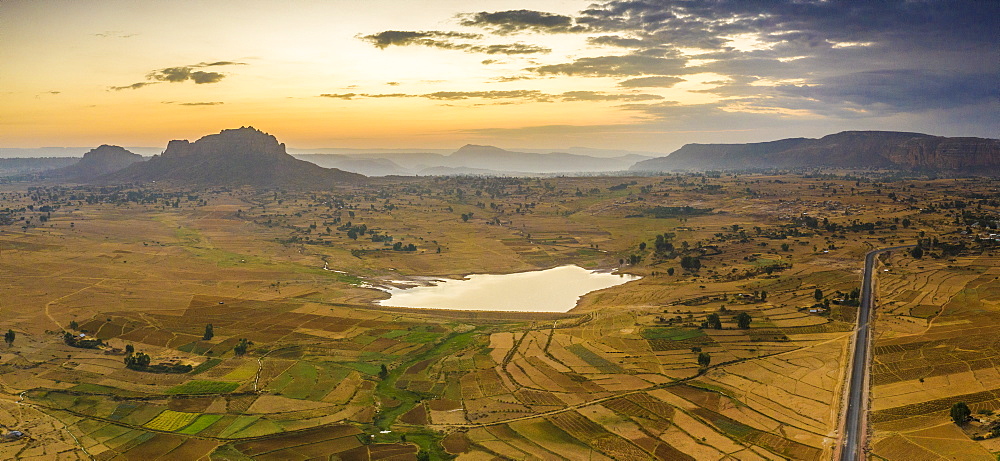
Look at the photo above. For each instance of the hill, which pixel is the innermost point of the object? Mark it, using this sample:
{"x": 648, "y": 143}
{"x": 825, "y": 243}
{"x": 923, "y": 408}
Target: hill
{"x": 848, "y": 149}
{"x": 237, "y": 157}
{"x": 474, "y": 159}
{"x": 96, "y": 163}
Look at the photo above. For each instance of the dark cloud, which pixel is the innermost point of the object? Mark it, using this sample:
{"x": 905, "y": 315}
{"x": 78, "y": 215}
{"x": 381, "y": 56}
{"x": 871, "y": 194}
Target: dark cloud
{"x": 660, "y": 81}
{"x": 610, "y": 66}
{"x": 512, "y": 48}
{"x": 339, "y": 95}
{"x": 446, "y": 41}
{"x": 901, "y": 90}
{"x": 512, "y": 21}
{"x": 206, "y": 77}
{"x": 616, "y": 40}
{"x": 170, "y": 74}
{"x": 432, "y": 38}
{"x": 134, "y": 86}
{"x": 180, "y": 74}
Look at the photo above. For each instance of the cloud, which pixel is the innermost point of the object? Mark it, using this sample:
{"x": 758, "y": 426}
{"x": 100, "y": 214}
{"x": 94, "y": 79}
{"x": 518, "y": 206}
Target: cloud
{"x": 523, "y": 95}
{"x": 432, "y": 38}
{"x": 180, "y": 74}
{"x": 339, "y": 95}
{"x": 214, "y": 103}
{"x": 616, "y": 40}
{"x": 200, "y": 77}
{"x": 134, "y": 86}
{"x": 392, "y": 83}
{"x": 901, "y": 90}
{"x": 512, "y": 21}
{"x": 512, "y": 48}
{"x": 114, "y": 34}
{"x": 601, "y": 96}
{"x": 613, "y": 66}
{"x": 648, "y": 82}
{"x": 446, "y": 41}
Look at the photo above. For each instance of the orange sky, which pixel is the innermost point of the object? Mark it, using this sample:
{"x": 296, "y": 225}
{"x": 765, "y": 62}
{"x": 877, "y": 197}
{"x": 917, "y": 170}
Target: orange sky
{"x": 140, "y": 73}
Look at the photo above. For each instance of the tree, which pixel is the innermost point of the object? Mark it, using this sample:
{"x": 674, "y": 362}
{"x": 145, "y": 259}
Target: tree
{"x": 383, "y": 372}
{"x": 713, "y": 321}
{"x": 9, "y": 337}
{"x": 818, "y": 294}
{"x": 691, "y": 263}
{"x": 208, "y": 332}
{"x": 642, "y": 246}
{"x": 763, "y": 296}
{"x": 129, "y": 349}
{"x": 960, "y": 413}
{"x": 917, "y": 252}
{"x": 670, "y": 271}
{"x": 423, "y": 455}
{"x": 241, "y": 348}
{"x": 743, "y": 320}
{"x": 73, "y": 325}
{"x": 704, "y": 359}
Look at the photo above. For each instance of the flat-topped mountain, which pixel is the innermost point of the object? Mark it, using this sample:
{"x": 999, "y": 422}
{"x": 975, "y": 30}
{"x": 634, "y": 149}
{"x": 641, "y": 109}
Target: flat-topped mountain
{"x": 96, "y": 163}
{"x": 237, "y": 157}
{"x": 848, "y": 149}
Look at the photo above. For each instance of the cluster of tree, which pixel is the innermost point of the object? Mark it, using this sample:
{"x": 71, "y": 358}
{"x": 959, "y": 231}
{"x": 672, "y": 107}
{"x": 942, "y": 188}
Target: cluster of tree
{"x": 663, "y": 212}
{"x": 209, "y": 332}
{"x": 140, "y": 361}
{"x": 398, "y": 246}
{"x": 714, "y": 321}
{"x": 241, "y": 347}
{"x": 9, "y": 336}
{"x": 704, "y": 359}
{"x": 73, "y": 340}
{"x": 467, "y": 216}
{"x": 691, "y": 263}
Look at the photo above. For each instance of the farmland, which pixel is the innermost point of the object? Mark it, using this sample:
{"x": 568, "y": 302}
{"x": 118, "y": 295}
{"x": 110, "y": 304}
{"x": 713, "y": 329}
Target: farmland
{"x": 303, "y": 363}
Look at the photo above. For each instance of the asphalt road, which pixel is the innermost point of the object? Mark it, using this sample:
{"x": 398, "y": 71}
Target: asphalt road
{"x": 857, "y": 399}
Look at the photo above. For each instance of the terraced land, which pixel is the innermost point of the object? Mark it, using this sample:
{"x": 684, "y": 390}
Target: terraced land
{"x": 302, "y": 364}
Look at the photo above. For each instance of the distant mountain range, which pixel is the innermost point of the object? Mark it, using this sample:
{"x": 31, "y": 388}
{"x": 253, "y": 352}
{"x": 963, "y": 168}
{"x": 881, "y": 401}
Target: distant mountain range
{"x": 247, "y": 156}
{"x": 848, "y": 149}
{"x": 473, "y": 159}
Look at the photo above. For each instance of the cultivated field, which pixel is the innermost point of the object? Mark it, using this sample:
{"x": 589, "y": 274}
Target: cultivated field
{"x": 302, "y": 364}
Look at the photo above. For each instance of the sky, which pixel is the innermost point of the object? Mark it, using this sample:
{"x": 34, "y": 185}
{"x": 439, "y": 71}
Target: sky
{"x": 646, "y": 75}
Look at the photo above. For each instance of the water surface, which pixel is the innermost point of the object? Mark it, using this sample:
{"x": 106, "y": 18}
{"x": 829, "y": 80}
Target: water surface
{"x": 551, "y": 290}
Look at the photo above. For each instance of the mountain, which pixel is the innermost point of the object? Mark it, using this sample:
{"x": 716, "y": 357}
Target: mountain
{"x": 848, "y": 149}
{"x": 237, "y": 157}
{"x": 472, "y": 159}
{"x": 497, "y": 159}
{"x": 98, "y": 162}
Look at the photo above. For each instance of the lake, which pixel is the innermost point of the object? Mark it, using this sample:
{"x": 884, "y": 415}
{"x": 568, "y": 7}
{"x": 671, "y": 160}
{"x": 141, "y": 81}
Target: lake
{"x": 551, "y": 290}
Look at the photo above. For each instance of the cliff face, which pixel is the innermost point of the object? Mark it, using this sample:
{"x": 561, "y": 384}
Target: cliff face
{"x": 948, "y": 153}
{"x": 849, "y": 149}
{"x": 98, "y": 162}
{"x": 238, "y": 157}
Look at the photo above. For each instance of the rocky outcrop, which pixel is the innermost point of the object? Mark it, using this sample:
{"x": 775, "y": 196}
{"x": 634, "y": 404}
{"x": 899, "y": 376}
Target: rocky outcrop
{"x": 237, "y": 157}
{"x": 849, "y": 149}
{"x": 96, "y": 163}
